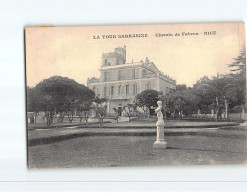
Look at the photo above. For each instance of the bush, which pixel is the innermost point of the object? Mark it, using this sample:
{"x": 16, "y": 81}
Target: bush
{"x": 140, "y": 114}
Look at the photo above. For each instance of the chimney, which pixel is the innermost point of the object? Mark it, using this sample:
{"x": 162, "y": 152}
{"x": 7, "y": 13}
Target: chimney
{"x": 146, "y": 61}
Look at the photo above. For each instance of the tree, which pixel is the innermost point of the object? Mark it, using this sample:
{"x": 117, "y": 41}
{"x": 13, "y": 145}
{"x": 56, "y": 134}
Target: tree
{"x": 238, "y": 67}
{"x": 71, "y": 110}
{"x": 117, "y": 112}
{"x": 33, "y": 104}
{"x": 219, "y": 91}
{"x": 147, "y": 99}
{"x": 60, "y": 95}
{"x": 239, "y": 64}
{"x": 180, "y": 102}
{"x": 191, "y": 102}
{"x": 100, "y": 106}
{"x": 129, "y": 108}
{"x": 168, "y": 101}
{"x": 203, "y": 100}
{"x": 174, "y": 103}
{"x": 181, "y": 87}
{"x": 84, "y": 109}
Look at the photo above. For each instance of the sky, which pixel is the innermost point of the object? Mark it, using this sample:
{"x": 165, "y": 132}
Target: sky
{"x": 73, "y": 52}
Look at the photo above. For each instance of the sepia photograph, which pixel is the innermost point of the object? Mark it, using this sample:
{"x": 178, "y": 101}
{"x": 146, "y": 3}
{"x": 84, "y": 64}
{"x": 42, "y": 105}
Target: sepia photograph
{"x": 136, "y": 95}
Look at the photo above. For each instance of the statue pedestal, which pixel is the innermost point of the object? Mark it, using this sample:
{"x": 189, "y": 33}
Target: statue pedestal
{"x": 160, "y": 141}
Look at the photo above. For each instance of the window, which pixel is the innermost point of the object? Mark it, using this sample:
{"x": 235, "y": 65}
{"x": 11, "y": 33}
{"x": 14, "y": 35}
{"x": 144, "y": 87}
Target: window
{"x": 112, "y": 90}
{"x": 106, "y": 76}
{"x": 119, "y": 90}
{"x": 133, "y": 73}
{"x": 134, "y": 89}
{"x": 120, "y": 74}
{"x": 117, "y": 62}
{"x": 105, "y": 91}
{"x": 127, "y": 89}
{"x": 105, "y": 61}
{"x": 148, "y": 86}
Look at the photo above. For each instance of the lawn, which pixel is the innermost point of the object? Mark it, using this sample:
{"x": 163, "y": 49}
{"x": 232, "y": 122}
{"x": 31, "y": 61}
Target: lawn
{"x": 114, "y": 151}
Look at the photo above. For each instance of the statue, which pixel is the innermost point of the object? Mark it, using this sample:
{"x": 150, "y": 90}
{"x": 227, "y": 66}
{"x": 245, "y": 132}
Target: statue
{"x": 158, "y": 111}
{"x": 160, "y": 141}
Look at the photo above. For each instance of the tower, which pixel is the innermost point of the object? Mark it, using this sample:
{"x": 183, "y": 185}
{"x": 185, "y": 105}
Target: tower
{"x": 114, "y": 58}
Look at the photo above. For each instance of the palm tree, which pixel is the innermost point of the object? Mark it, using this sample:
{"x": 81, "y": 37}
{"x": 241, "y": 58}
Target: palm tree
{"x": 239, "y": 63}
{"x": 239, "y": 67}
{"x": 220, "y": 90}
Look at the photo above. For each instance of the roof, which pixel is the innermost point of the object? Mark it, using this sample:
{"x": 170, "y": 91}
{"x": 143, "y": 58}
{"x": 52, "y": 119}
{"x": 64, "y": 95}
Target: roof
{"x": 121, "y": 65}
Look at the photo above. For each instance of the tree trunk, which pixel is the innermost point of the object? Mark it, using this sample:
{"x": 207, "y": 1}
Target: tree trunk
{"x": 212, "y": 112}
{"x": 199, "y": 112}
{"x": 148, "y": 112}
{"x": 220, "y": 114}
{"x": 100, "y": 121}
{"x": 243, "y": 112}
{"x": 34, "y": 117}
{"x": 80, "y": 116}
{"x": 173, "y": 114}
{"x": 61, "y": 118}
{"x": 48, "y": 120}
{"x": 48, "y": 117}
{"x": 217, "y": 115}
{"x": 51, "y": 116}
{"x": 226, "y": 109}
{"x": 86, "y": 119}
{"x": 217, "y": 108}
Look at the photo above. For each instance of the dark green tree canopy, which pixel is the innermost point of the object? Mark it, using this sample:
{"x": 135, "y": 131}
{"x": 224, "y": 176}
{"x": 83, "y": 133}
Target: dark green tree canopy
{"x": 59, "y": 93}
{"x": 147, "y": 98}
{"x": 239, "y": 64}
{"x": 181, "y": 87}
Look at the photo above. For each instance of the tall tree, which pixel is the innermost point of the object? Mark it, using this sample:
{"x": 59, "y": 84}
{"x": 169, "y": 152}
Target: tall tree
{"x": 239, "y": 64}
{"x": 129, "y": 108}
{"x": 60, "y": 95}
{"x": 220, "y": 91}
{"x": 84, "y": 109}
{"x": 33, "y": 101}
{"x": 179, "y": 102}
{"x": 147, "y": 99}
{"x": 238, "y": 67}
{"x": 203, "y": 99}
{"x": 100, "y": 106}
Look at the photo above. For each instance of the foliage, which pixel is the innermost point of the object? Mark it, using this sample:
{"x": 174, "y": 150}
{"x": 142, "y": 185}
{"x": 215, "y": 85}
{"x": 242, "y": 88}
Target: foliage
{"x": 84, "y": 109}
{"x": 129, "y": 109}
{"x": 239, "y": 64}
{"x": 179, "y": 102}
{"x": 58, "y": 95}
{"x": 100, "y": 106}
{"x": 116, "y": 113}
{"x": 147, "y": 99}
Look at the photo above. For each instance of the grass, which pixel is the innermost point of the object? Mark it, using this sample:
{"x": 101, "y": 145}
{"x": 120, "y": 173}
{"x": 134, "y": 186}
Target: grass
{"x": 33, "y": 126}
{"x": 120, "y": 151}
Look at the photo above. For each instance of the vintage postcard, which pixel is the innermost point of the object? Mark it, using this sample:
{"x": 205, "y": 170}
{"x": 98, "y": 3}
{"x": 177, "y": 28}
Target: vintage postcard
{"x": 136, "y": 95}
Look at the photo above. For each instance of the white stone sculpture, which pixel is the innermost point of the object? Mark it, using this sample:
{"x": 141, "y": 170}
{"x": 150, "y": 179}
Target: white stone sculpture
{"x": 160, "y": 141}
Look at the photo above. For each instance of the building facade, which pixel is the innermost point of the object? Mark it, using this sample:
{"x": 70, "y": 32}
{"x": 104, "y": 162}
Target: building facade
{"x": 120, "y": 82}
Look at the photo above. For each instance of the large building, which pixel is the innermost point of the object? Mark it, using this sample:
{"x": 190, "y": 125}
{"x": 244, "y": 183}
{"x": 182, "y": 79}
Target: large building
{"x": 120, "y": 82}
